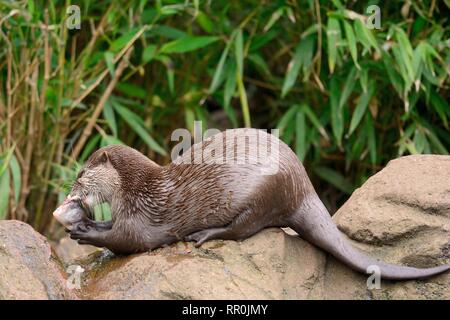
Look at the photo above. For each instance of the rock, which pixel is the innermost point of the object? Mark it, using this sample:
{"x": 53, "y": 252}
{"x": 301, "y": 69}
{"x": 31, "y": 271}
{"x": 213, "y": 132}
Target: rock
{"x": 28, "y": 268}
{"x": 69, "y": 251}
{"x": 265, "y": 266}
{"x": 400, "y": 215}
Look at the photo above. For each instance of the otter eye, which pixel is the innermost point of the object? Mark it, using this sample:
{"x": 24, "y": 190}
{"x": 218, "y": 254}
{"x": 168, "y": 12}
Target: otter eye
{"x": 80, "y": 173}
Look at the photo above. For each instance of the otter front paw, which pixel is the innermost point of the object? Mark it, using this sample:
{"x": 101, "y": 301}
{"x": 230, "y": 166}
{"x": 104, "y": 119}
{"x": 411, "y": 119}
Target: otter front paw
{"x": 87, "y": 236}
{"x": 80, "y": 227}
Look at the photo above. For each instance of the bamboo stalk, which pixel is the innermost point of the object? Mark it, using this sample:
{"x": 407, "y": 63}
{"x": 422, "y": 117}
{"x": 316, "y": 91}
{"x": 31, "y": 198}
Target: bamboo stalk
{"x": 29, "y": 145}
{"x": 9, "y": 59}
{"x": 100, "y": 78}
{"x": 98, "y": 109}
{"x": 244, "y": 101}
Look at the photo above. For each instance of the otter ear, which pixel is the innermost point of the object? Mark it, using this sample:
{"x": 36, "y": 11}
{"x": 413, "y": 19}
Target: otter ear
{"x": 104, "y": 158}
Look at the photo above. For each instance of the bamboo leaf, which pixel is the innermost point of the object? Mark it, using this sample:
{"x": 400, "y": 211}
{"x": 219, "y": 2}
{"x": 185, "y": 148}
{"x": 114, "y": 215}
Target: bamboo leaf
{"x": 187, "y": 43}
{"x": 315, "y": 121}
{"x": 292, "y": 72}
{"x": 289, "y": 133}
{"x": 260, "y": 64}
{"x": 134, "y": 122}
{"x": 239, "y": 52}
{"x": 333, "y": 38}
{"x": 5, "y": 182}
{"x": 244, "y": 101}
{"x": 276, "y": 15}
{"x": 338, "y": 5}
{"x": 371, "y": 139}
{"x": 168, "y": 32}
{"x": 306, "y": 57}
{"x": 337, "y": 120}
{"x": 403, "y": 41}
{"x": 361, "y": 108}
{"x": 31, "y": 8}
{"x": 405, "y": 136}
{"x": 260, "y": 40}
{"x": 17, "y": 176}
{"x": 350, "y": 35}
{"x": 363, "y": 75}
{"x": 394, "y": 77}
{"x": 411, "y": 148}
{"x": 417, "y": 65}
{"x": 403, "y": 53}
{"x": 230, "y": 88}
{"x": 219, "y": 69}
{"x": 189, "y": 116}
{"x": 365, "y": 35}
{"x": 170, "y": 73}
{"x": 434, "y": 140}
{"x": 441, "y": 106}
{"x": 302, "y": 56}
{"x": 427, "y": 54}
{"x": 286, "y": 118}
{"x": 5, "y": 161}
{"x": 120, "y": 42}
{"x": 230, "y": 84}
{"x": 149, "y": 53}
{"x": 110, "y": 118}
{"x": 170, "y": 78}
{"x": 109, "y": 59}
{"x": 4, "y": 194}
{"x": 89, "y": 147}
{"x": 419, "y": 141}
{"x": 204, "y": 22}
{"x": 335, "y": 178}
{"x": 108, "y": 140}
{"x": 131, "y": 90}
{"x": 348, "y": 87}
{"x": 300, "y": 130}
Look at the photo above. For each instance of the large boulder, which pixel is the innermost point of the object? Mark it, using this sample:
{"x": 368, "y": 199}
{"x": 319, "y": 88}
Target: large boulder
{"x": 28, "y": 267}
{"x": 400, "y": 215}
{"x": 69, "y": 251}
{"x": 269, "y": 265}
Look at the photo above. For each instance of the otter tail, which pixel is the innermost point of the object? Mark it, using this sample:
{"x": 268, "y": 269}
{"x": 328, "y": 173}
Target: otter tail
{"x": 313, "y": 223}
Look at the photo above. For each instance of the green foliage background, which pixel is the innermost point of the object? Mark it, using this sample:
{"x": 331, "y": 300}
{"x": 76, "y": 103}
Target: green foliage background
{"x": 345, "y": 97}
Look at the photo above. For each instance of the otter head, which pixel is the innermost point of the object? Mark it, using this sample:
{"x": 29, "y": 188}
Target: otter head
{"x": 97, "y": 182}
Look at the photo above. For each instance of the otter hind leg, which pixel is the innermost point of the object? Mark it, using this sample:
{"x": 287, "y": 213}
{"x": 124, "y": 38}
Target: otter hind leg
{"x": 242, "y": 227}
{"x": 207, "y": 234}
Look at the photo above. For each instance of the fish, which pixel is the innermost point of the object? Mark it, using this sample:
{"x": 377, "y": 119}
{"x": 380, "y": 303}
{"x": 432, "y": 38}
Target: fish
{"x": 70, "y": 213}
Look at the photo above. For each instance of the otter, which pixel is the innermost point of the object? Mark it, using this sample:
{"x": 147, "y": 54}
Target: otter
{"x": 153, "y": 206}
